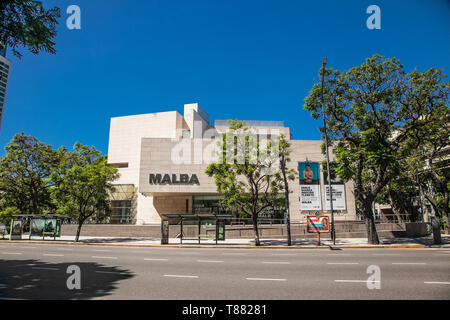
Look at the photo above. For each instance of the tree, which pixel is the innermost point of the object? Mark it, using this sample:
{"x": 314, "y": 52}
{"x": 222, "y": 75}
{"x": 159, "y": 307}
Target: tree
{"x": 25, "y": 174}
{"x": 428, "y": 165}
{"x": 245, "y": 175}
{"x": 26, "y": 23}
{"x": 375, "y": 113}
{"x": 7, "y": 215}
{"x": 287, "y": 174}
{"x": 83, "y": 185}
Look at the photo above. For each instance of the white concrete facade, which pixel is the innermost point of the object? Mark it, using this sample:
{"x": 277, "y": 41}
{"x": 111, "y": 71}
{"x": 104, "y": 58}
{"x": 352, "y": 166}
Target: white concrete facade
{"x": 142, "y": 145}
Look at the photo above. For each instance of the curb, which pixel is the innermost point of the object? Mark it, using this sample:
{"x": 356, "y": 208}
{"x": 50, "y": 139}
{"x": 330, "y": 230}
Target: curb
{"x": 392, "y": 246}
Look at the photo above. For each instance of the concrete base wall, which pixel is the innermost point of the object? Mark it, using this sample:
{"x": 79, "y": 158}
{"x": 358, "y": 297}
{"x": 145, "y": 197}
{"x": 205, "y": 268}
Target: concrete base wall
{"x": 298, "y": 231}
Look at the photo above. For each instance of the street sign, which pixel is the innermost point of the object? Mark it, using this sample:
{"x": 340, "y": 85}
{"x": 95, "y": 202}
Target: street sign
{"x": 318, "y": 224}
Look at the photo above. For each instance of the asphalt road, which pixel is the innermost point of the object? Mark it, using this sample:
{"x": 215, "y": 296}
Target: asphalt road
{"x": 33, "y": 271}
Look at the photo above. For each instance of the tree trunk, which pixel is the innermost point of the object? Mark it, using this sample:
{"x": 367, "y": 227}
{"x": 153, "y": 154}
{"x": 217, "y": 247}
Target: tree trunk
{"x": 372, "y": 235}
{"x": 447, "y": 229}
{"x": 288, "y": 213}
{"x": 80, "y": 224}
{"x": 288, "y": 226}
{"x": 255, "y": 229}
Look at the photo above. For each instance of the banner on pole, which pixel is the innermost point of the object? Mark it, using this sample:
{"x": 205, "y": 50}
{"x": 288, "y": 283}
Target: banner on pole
{"x": 309, "y": 179}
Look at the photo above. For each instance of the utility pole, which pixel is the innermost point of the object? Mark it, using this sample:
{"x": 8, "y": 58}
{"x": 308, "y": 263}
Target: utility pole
{"x": 333, "y": 234}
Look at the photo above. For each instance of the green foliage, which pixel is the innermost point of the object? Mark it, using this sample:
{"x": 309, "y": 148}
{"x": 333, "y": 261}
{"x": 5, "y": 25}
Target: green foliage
{"x": 26, "y": 23}
{"x": 377, "y": 114}
{"x": 35, "y": 179}
{"x": 248, "y": 178}
{"x": 82, "y": 185}
{"x": 25, "y": 174}
{"x": 7, "y": 215}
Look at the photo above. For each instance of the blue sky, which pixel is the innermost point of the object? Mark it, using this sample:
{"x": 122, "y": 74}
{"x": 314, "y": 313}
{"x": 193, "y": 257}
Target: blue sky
{"x": 240, "y": 59}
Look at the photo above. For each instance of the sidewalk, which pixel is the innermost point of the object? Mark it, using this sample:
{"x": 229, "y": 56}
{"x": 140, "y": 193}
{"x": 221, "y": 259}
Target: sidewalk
{"x": 246, "y": 243}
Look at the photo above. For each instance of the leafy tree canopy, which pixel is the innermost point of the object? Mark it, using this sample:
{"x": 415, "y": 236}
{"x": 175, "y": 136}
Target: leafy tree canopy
{"x": 26, "y": 23}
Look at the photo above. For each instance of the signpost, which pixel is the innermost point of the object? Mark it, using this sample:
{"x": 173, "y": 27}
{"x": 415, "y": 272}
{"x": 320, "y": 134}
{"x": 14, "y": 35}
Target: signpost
{"x": 318, "y": 223}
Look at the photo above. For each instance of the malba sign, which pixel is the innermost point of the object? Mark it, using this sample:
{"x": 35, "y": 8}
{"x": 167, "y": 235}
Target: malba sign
{"x": 171, "y": 179}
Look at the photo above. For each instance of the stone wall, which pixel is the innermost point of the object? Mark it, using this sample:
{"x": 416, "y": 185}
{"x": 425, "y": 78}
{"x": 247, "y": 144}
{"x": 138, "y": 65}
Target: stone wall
{"x": 298, "y": 231}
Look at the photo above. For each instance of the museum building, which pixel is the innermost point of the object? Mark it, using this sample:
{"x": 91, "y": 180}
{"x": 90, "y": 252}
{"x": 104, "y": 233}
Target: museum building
{"x": 162, "y": 158}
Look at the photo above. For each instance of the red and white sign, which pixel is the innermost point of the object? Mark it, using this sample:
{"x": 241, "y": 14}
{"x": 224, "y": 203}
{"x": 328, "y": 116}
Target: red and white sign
{"x": 318, "y": 224}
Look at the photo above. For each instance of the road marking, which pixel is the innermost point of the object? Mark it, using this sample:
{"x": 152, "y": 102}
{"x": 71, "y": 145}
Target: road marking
{"x": 27, "y": 247}
{"x": 437, "y": 282}
{"x": 413, "y": 263}
{"x": 283, "y": 254}
{"x": 65, "y": 249}
{"x": 98, "y": 250}
{"x": 213, "y": 261}
{"x": 44, "y": 268}
{"x": 386, "y": 254}
{"x": 264, "y": 279}
{"x": 342, "y": 262}
{"x": 155, "y": 259}
{"x": 11, "y": 253}
{"x": 102, "y": 257}
{"x": 355, "y": 280}
{"x": 53, "y": 255}
{"x": 109, "y": 272}
{"x": 340, "y": 254}
{"x": 276, "y": 262}
{"x": 179, "y": 276}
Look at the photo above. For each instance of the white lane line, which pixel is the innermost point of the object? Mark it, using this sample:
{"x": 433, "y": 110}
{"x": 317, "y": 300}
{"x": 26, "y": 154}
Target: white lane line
{"x": 98, "y": 250}
{"x": 276, "y": 262}
{"x": 155, "y": 259}
{"x": 109, "y": 272}
{"x": 27, "y": 247}
{"x": 65, "y": 249}
{"x": 385, "y": 254}
{"x": 435, "y": 282}
{"x": 340, "y": 254}
{"x": 44, "y": 268}
{"x": 11, "y": 253}
{"x": 441, "y": 254}
{"x": 264, "y": 279}
{"x": 342, "y": 262}
{"x": 53, "y": 255}
{"x": 212, "y": 261}
{"x": 102, "y": 257}
{"x": 412, "y": 263}
{"x": 356, "y": 281}
{"x": 179, "y": 276}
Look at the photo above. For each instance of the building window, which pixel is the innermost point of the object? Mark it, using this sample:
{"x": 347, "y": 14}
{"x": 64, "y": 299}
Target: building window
{"x": 123, "y": 204}
{"x": 121, "y": 212}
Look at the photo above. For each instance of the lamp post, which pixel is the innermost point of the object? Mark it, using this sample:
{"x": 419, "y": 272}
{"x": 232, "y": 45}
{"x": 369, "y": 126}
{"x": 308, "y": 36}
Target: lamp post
{"x": 333, "y": 234}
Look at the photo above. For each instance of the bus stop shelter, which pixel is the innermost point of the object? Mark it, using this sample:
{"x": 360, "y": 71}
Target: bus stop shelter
{"x": 193, "y": 219}
{"x": 48, "y": 225}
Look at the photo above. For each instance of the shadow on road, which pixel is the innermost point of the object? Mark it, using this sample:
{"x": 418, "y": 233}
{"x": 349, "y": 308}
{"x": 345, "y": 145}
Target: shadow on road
{"x": 34, "y": 279}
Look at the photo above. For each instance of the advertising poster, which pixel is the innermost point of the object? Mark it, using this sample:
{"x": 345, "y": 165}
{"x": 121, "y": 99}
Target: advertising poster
{"x": 338, "y": 193}
{"x": 16, "y": 230}
{"x": 318, "y": 224}
{"x": 37, "y": 227}
{"x": 310, "y": 198}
